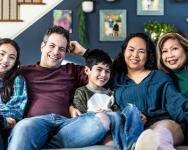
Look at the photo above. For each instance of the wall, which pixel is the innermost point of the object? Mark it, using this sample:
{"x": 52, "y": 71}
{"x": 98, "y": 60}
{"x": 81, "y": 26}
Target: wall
{"x": 175, "y": 13}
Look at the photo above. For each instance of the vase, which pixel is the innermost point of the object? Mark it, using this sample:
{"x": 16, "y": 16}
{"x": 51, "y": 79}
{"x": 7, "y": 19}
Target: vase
{"x": 87, "y": 6}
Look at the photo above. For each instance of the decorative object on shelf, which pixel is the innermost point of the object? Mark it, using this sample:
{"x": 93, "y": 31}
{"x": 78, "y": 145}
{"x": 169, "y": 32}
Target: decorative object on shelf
{"x": 156, "y": 29}
{"x": 113, "y": 25}
{"x": 88, "y": 6}
{"x": 150, "y": 7}
{"x": 63, "y": 18}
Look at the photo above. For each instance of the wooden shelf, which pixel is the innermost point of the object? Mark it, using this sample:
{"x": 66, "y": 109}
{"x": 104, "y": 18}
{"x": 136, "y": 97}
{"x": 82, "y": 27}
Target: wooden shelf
{"x": 29, "y": 3}
{"x": 11, "y": 20}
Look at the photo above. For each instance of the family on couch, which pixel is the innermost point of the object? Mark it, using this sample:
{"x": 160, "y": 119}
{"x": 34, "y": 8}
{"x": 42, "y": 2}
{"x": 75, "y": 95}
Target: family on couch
{"x": 51, "y": 87}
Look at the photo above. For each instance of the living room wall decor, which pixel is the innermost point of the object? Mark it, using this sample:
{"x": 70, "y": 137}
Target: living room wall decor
{"x": 63, "y": 18}
{"x": 113, "y": 25}
{"x": 88, "y": 6}
{"x": 150, "y": 7}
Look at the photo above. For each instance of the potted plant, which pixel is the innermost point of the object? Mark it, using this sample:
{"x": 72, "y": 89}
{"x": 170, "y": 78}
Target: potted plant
{"x": 156, "y": 29}
{"x": 82, "y": 25}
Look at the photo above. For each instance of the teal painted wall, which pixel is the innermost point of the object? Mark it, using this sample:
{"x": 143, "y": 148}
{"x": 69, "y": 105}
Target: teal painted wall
{"x": 29, "y": 41}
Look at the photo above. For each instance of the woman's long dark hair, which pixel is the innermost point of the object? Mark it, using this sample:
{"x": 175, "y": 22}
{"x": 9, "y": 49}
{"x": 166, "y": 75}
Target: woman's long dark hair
{"x": 9, "y": 76}
{"x": 119, "y": 65}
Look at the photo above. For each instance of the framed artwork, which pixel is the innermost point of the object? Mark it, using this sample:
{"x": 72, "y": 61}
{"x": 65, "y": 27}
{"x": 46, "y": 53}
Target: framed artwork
{"x": 180, "y": 0}
{"x": 150, "y": 7}
{"x": 113, "y": 25}
{"x": 63, "y": 18}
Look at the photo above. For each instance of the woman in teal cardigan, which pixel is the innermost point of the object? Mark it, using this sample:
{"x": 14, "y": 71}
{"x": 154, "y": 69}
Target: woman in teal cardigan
{"x": 137, "y": 81}
{"x": 172, "y": 57}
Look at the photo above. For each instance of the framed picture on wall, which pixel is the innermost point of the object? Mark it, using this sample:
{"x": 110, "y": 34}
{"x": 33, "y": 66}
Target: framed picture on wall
{"x": 63, "y": 18}
{"x": 113, "y": 25}
{"x": 150, "y": 7}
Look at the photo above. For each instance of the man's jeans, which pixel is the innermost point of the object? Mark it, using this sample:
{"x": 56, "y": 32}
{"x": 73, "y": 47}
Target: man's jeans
{"x": 126, "y": 126}
{"x": 32, "y": 133}
{"x": 85, "y": 130}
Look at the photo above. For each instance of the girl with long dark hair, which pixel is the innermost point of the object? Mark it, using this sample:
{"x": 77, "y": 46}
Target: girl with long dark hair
{"x": 13, "y": 94}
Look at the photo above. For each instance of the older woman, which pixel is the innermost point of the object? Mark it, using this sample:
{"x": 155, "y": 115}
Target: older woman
{"x": 172, "y": 57}
{"x": 172, "y": 54}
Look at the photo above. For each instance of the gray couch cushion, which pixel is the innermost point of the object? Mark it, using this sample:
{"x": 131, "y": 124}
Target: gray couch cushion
{"x": 102, "y": 147}
{"x": 96, "y": 147}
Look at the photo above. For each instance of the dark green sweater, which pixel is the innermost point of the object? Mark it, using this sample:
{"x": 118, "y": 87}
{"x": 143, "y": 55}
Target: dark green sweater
{"x": 181, "y": 78}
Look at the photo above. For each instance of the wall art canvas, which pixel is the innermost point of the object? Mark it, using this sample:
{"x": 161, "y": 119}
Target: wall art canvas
{"x": 63, "y": 18}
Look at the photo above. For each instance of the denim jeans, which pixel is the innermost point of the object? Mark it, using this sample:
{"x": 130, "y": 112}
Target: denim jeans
{"x": 32, "y": 133}
{"x": 126, "y": 126}
{"x": 1, "y": 143}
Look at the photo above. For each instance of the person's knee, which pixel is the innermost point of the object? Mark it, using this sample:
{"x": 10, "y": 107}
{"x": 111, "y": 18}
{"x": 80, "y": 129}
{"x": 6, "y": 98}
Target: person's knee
{"x": 148, "y": 140}
{"x": 171, "y": 128}
{"x": 104, "y": 119}
{"x": 22, "y": 127}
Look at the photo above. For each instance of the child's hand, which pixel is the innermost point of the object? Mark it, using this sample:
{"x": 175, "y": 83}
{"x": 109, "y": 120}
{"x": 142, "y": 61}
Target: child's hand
{"x": 11, "y": 122}
{"x": 143, "y": 118}
{"x": 74, "y": 112}
{"x": 98, "y": 110}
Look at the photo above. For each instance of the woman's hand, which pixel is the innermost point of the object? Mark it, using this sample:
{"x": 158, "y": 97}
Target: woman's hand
{"x": 11, "y": 122}
{"x": 143, "y": 118}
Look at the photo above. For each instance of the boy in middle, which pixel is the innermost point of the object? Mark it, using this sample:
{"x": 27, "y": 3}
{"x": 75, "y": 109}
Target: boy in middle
{"x": 125, "y": 126}
{"x": 94, "y": 97}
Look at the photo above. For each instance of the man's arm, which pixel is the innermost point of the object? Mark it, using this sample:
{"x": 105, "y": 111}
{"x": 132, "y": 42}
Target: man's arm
{"x": 76, "y": 48}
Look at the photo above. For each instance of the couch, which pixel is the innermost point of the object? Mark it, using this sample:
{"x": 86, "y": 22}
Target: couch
{"x": 101, "y": 147}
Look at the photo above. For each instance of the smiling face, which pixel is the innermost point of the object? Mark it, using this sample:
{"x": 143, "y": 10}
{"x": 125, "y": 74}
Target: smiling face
{"x": 135, "y": 54}
{"x": 98, "y": 75}
{"x": 53, "y": 51}
{"x": 8, "y": 55}
{"x": 173, "y": 55}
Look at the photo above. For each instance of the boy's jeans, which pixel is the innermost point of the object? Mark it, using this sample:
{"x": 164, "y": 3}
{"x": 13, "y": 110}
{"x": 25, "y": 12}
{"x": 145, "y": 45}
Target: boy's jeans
{"x": 32, "y": 133}
{"x": 126, "y": 126}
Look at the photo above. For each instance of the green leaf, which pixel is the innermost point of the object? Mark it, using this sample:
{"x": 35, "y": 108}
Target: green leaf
{"x": 82, "y": 27}
{"x": 156, "y": 29}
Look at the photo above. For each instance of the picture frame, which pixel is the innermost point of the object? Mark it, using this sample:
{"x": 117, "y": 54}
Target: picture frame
{"x": 63, "y": 18}
{"x": 150, "y": 7}
{"x": 113, "y": 24}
